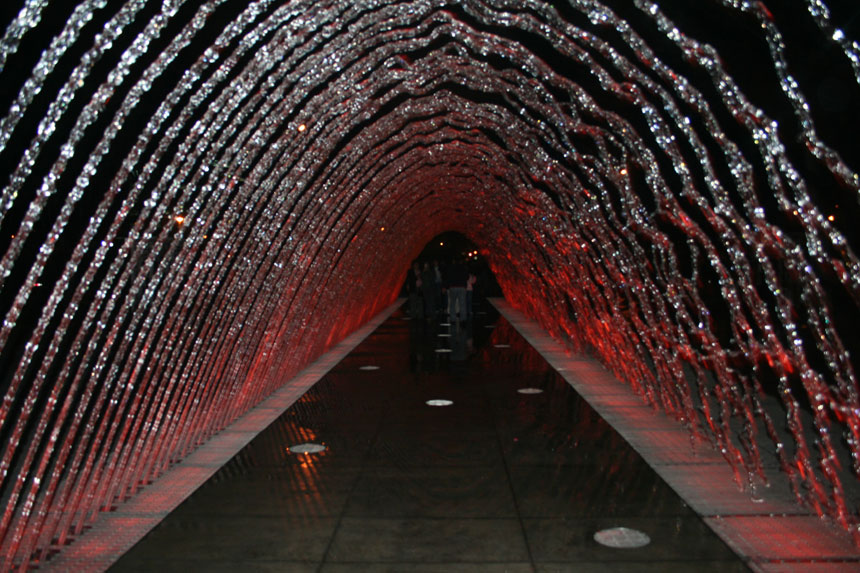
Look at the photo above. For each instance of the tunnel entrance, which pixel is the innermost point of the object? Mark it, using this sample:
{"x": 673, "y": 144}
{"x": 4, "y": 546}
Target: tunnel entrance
{"x": 452, "y": 245}
{"x": 448, "y": 260}
{"x": 446, "y": 246}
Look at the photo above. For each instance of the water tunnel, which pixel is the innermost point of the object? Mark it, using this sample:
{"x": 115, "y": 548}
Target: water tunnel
{"x": 201, "y": 197}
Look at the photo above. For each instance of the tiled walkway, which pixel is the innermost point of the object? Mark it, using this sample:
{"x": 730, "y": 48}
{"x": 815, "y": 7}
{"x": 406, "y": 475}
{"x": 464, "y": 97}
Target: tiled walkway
{"x": 500, "y": 480}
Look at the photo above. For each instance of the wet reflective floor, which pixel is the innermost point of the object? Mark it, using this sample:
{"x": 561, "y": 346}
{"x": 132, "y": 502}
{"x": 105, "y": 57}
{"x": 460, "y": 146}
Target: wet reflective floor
{"x": 517, "y": 473}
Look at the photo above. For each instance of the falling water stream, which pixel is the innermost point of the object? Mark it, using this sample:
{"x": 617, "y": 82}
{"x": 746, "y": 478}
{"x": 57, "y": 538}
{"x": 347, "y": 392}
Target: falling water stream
{"x": 200, "y": 197}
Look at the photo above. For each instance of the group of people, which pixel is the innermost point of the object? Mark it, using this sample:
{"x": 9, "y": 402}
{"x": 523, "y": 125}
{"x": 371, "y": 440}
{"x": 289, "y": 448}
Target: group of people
{"x": 436, "y": 290}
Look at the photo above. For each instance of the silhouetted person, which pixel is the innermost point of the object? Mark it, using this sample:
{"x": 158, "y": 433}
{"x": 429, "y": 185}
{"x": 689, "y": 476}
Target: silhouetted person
{"x": 428, "y": 290}
{"x": 413, "y": 288}
{"x": 458, "y": 276}
{"x": 442, "y": 278}
{"x": 470, "y": 288}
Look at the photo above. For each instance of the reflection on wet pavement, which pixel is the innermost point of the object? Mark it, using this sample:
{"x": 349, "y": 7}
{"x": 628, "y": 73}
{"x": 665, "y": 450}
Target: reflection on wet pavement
{"x": 363, "y": 473}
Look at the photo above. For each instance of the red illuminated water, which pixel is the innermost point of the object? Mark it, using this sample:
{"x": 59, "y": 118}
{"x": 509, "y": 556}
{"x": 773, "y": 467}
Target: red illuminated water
{"x": 198, "y": 198}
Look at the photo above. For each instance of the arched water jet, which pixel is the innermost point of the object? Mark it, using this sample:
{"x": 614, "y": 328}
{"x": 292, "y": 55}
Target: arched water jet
{"x": 631, "y": 190}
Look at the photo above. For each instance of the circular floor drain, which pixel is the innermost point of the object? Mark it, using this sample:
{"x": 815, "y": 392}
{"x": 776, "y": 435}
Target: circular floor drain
{"x": 442, "y": 350}
{"x": 502, "y": 345}
{"x": 307, "y": 448}
{"x": 369, "y": 367}
{"x": 529, "y": 390}
{"x": 439, "y": 402}
{"x": 622, "y": 538}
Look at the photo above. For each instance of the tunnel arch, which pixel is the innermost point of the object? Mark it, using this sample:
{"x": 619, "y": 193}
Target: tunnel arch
{"x": 199, "y": 198}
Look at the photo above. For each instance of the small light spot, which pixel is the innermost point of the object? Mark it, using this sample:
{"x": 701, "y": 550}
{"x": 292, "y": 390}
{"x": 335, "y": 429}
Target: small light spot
{"x": 502, "y": 345}
{"x": 444, "y": 335}
{"x": 624, "y": 171}
{"x": 307, "y": 448}
{"x": 439, "y": 402}
{"x": 530, "y": 391}
{"x": 179, "y": 219}
{"x": 302, "y": 127}
{"x": 831, "y": 218}
{"x": 369, "y": 367}
{"x": 622, "y": 538}
{"x": 382, "y": 228}
{"x": 443, "y": 350}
